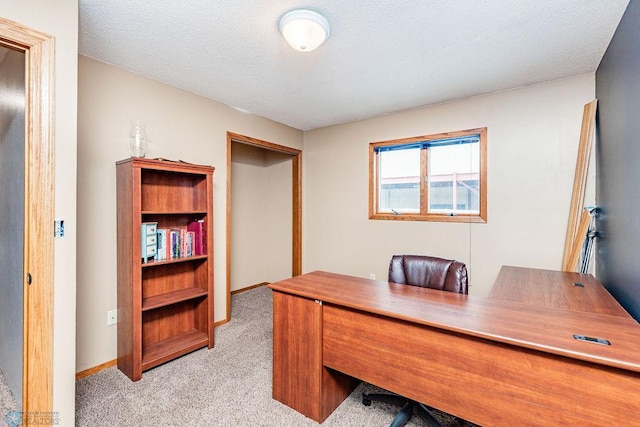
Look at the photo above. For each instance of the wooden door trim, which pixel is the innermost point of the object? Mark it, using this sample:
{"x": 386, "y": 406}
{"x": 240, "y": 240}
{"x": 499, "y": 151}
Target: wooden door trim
{"x": 296, "y": 263}
{"x": 39, "y": 50}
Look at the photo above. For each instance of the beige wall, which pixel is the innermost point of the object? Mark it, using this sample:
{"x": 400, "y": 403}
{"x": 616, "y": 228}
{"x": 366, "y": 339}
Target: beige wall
{"x": 278, "y": 248}
{"x": 533, "y": 135}
{"x": 180, "y": 125}
{"x": 261, "y": 225}
{"x": 60, "y": 19}
{"x": 532, "y": 144}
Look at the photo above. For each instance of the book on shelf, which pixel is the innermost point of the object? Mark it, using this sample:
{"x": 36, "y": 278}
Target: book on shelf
{"x": 162, "y": 244}
{"x": 199, "y": 236}
{"x": 188, "y": 243}
{"x": 174, "y": 243}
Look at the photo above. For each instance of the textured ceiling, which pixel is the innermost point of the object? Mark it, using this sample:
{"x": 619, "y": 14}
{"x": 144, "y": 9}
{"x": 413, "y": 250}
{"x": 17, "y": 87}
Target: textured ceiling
{"x": 381, "y": 56}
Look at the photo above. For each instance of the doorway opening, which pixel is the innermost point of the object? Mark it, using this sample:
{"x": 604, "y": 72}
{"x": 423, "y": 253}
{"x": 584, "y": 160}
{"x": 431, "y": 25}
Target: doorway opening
{"x": 36, "y": 278}
{"x": 12, "y": 147}
{"x": 280, "y": 213}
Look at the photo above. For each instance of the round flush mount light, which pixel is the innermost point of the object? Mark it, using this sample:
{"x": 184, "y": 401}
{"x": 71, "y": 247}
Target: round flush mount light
{"x": 304, "y": 29}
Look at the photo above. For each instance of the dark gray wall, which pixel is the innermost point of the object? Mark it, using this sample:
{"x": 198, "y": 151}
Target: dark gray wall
{"x": 618, "y": 163}
{"x": 12, "y": 99}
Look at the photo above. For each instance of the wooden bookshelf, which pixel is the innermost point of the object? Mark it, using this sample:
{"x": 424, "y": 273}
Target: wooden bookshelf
{"x": 165, "y": 307}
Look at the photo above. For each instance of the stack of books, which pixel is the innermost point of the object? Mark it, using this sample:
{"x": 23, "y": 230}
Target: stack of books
{"x": 181, "y": 242}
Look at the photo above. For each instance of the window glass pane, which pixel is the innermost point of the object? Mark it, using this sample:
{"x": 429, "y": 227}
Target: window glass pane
{"x": 453, "y": 177}
{"x": 399, "y": 175}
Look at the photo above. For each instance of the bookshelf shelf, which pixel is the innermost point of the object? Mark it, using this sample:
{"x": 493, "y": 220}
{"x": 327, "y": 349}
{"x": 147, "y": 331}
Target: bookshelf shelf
{"x": 155, "y": 263}
{"x": 173, "y": 297}
{"x": 168, "y": 349}
{"x": 194, "y": 213}
{"x": 165, "y": 306}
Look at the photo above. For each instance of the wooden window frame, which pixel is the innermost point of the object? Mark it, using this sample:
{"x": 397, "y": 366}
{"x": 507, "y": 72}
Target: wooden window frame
{"x": 374, "y": 184}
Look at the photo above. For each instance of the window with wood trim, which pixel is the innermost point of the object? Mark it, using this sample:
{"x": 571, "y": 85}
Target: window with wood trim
{"x": 440, "y": 177}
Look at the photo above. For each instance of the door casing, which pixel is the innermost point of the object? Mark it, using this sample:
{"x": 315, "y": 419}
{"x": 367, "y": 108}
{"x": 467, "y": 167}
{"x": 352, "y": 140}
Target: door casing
{"x": 39, "y": 50}
{"x": 296, "y": 155}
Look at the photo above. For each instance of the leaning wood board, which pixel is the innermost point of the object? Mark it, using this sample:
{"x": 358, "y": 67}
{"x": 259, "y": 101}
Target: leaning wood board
{"x": 579, "y": 181}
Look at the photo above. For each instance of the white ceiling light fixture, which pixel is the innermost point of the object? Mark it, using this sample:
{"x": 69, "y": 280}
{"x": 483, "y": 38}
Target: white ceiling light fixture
{"x": 304, "y": 29}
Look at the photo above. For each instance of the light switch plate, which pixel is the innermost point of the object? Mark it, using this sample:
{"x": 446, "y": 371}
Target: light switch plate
{"x": 58, "y": 228}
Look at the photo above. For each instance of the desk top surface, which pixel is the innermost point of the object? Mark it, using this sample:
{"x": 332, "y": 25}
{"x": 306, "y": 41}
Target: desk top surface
{"x": 555, "y": 289}
{"x": 509, "y": 317}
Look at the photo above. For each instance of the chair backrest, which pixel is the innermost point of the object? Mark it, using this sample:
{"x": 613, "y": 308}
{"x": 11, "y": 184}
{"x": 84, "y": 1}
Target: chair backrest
{"x": 429, "y": 272}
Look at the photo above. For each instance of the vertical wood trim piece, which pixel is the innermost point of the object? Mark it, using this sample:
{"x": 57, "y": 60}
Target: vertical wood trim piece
{"x": 296, "y": 268}
{"x": 211, "y": 262}
{"x": 39, "y": 212}
{"x": 424, "y": 190}
{"x": 580, "y": 179}
{"x": 296, "y": 260}
{"x": 483, "y": 177}
{"x": 124, "y": 203}
{"x": 373, "y": 183}
{"x": 39, "y": 50}
{"x": 228, "y": 227}
{"x": 210, "y": 228}
{"x": 134, "y": 242}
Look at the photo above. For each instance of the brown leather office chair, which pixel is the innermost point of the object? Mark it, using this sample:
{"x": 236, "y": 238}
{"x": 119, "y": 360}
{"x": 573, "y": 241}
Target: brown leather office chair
{"x": 427, "y": 272}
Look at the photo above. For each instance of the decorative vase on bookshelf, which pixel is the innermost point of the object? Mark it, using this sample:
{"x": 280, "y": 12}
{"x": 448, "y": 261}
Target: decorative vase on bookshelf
{"x": 138, "y": 139}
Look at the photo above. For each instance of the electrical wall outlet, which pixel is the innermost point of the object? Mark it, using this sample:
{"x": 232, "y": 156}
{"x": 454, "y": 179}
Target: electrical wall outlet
{"x": 112, "y": 317}
{"x": 372, "y": 276}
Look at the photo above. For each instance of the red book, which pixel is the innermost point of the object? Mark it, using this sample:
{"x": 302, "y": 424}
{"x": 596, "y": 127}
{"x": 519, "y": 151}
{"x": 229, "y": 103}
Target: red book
{"x": 200, "y": 236}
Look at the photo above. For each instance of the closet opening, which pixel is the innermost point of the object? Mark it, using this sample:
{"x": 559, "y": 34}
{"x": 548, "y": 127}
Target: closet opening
{"x": 264, "y": 204}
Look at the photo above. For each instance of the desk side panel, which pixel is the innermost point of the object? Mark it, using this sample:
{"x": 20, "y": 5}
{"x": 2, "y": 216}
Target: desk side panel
{"x": 299, "y": 379}
{"x": 479, "y": 380}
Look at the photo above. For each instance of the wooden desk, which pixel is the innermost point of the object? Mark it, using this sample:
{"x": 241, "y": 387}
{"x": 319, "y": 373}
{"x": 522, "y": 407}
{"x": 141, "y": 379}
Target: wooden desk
{"x": 555, "y": 289}
{"x": 505, "y": 360}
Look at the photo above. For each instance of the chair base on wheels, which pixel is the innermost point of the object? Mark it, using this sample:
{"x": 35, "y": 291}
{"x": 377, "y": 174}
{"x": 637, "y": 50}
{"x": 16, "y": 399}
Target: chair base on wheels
{"x": 409, "y": 408}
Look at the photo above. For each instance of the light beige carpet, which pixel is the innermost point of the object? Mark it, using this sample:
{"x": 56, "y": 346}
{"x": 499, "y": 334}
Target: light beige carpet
{"x": 7, "y": 401}
{"x": 229, "y": 385}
